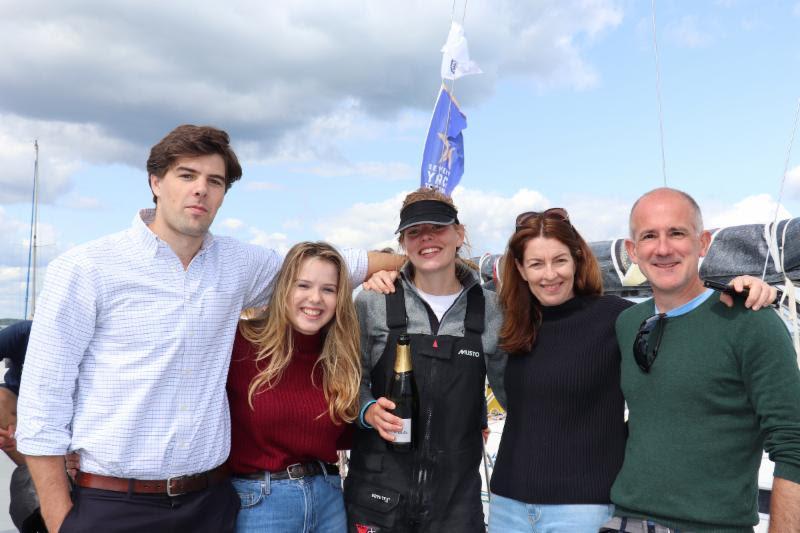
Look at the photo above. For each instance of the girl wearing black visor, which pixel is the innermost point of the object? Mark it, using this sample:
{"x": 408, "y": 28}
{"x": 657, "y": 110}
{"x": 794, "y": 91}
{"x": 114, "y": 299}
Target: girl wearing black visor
{"x": 452, "y": 323}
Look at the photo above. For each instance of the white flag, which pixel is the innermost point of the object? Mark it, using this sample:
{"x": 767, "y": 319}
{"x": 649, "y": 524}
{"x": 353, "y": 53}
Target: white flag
{"x": 455, "y": 55}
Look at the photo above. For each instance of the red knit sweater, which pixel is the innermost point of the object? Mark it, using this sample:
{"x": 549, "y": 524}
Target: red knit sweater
{"x": 290, "y": 422}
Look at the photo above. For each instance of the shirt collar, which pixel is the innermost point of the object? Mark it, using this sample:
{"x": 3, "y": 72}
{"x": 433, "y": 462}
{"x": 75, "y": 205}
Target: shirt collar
{"x": 688, "y": 306}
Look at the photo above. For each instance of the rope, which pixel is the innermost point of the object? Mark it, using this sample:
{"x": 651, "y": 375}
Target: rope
{"x": 773, "y": 249}
{"x": 496, "y": 270}
{"x": 779, "y": 249}
{"x": 658, "y": 96}
{"x": 789, "y": 299}
{"x": 482, "y": 260}
{"x": 790, "y": 296}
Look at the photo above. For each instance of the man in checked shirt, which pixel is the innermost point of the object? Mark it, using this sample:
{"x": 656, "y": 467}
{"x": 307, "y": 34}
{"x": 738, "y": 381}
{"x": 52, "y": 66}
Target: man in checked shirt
{"x": 129, "y": 352}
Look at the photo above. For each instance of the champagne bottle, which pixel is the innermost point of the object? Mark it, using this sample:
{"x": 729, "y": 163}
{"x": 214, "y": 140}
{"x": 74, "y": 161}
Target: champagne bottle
{"x": 403, "y": 392}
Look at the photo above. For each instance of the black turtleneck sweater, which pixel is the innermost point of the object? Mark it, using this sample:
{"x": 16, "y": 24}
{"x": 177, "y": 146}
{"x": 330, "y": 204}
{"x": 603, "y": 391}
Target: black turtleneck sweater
{"x": 564, "y": 437}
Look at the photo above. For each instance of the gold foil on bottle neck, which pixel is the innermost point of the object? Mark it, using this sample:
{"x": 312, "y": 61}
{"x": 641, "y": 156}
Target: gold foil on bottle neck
{"x": 402, "y": 358}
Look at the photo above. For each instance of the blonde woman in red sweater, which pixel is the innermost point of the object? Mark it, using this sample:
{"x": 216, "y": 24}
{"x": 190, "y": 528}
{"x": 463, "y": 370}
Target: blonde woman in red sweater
{"x": 293, "y": 390}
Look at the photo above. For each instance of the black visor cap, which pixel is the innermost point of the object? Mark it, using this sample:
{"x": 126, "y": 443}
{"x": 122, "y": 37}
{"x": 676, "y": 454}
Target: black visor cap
{"x": 427, "y": 212}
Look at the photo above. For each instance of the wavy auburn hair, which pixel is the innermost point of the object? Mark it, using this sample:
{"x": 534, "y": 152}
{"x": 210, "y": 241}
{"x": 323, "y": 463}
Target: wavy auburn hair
{"x": 522, "y": 314}
{"x": 341, "y": 356}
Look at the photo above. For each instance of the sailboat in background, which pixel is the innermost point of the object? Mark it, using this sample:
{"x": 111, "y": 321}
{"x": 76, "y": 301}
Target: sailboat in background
{"x": 30, "y": 280}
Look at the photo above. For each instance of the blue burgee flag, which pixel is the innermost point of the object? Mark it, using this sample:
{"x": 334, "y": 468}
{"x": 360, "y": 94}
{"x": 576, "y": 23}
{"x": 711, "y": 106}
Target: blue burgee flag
{"x": 443, "y": 158}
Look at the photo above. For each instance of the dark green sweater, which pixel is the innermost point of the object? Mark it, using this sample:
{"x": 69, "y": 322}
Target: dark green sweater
{"x": 725, "y": 385}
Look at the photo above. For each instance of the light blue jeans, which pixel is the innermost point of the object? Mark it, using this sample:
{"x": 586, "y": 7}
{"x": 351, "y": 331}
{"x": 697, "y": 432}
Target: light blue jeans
{"x": 512, "y": 516}
{"x": 309, "y": 505}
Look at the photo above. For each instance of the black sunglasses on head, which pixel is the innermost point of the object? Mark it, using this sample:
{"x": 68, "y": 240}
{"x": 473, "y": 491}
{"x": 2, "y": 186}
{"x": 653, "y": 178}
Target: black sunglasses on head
{"x": 645, "y": 350}
{"x": 559, "y": 213}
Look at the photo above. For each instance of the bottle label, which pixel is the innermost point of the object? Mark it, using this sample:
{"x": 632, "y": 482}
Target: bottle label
{"x": 404, "y": 435}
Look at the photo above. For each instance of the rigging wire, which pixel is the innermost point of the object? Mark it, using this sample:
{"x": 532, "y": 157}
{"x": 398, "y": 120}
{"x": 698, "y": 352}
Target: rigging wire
{"x": 658, "y": 95}
{"x": 31, "y": 295}
{"x": 453, "y": 12}
{"x": 778, "y": 251}
{"x": 452, "y": 89}
{"x": 783, "y": 183}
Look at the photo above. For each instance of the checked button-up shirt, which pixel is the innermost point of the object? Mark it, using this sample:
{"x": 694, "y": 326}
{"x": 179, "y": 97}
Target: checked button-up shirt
{"x": 129, "y": 352}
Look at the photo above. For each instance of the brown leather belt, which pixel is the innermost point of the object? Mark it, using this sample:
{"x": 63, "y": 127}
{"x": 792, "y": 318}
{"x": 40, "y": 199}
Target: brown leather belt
{"x": 174, "y": 486}
{"x": 295, "y": 471}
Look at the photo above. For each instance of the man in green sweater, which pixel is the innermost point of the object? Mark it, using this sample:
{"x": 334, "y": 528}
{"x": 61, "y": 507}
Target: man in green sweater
{"x": 708, "y": 387}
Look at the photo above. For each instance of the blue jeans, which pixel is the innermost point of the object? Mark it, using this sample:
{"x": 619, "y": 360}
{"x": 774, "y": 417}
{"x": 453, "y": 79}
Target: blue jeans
{"x": 512, "y": 516}
{"x": 311, "y": 504}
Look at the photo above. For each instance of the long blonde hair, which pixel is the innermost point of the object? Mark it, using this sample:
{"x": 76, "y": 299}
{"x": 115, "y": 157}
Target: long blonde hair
{"x": 272, "y": 336}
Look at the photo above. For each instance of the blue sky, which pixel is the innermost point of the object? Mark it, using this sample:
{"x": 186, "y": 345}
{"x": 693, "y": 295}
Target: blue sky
{"x": 328, "y": 104}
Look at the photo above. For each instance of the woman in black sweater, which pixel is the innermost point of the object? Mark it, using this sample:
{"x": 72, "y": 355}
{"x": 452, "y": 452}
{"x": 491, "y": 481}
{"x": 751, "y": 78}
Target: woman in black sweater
{"x": 564, "y": 437}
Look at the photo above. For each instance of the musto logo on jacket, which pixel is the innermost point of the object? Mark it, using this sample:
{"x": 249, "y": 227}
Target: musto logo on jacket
{"x": 470, "y": 353}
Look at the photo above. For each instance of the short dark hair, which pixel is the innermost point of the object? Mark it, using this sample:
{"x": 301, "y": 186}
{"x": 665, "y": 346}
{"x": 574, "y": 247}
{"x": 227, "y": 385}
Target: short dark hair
{"x": 189, "y": 140}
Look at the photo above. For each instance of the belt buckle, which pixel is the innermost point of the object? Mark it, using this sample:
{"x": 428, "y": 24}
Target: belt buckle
{"x": 298, "y": 466}
{"x": 177, "y": 479}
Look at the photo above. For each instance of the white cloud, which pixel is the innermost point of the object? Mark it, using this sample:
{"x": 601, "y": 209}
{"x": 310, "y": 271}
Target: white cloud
{"x": 63, "y": 148}
{"x": 14, "y": 241}
{"x": 599, "y": 219}
{"x": 11, "y": 274}
{"x": 364, "y": 225}
{"x": 113, "y": 78}
{"x": 276, "y": 241}
{"x": 757, "y": 209}
{"x": 687, "y": 33}
{"x": 489, "y": 217}
{"x": 14, "y": 250}
{"x": 232, "y": 224}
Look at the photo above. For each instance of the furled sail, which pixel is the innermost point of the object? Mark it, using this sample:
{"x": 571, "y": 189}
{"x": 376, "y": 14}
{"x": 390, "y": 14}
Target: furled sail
{"x": 734, "y": 251}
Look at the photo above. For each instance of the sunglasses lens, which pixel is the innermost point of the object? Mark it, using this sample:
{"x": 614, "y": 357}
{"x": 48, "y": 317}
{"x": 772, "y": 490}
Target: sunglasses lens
{"x": 558, "y": 213}
{"x": 648, "y": 339}
{"x": 522, "y": 218}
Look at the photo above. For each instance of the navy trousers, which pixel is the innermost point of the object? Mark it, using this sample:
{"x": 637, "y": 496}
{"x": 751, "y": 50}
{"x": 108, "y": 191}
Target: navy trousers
{"x": 212, "y": 510}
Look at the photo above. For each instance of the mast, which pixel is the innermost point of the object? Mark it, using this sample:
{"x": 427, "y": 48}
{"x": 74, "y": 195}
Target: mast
{"x": 30, "y": 281}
